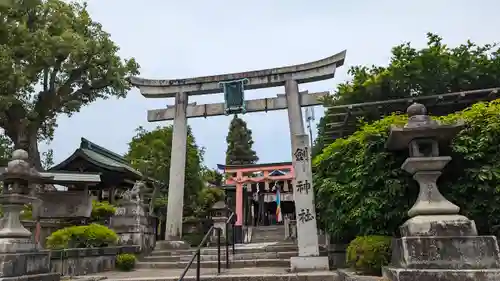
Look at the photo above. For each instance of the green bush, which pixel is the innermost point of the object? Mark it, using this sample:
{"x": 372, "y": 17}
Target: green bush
{"x": 125, "y": 262}
{"x": 361, "y": 189}
{"x": 85, "y": 236}
{"x": 367, "y": 254}
{"x": 101, "y": 211}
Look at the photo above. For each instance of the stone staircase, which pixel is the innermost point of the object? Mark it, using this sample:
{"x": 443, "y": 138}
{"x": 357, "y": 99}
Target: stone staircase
{"x": 248, "y": 255}
{"x": 268, "y": 233}
{"x": 267, "y": 261}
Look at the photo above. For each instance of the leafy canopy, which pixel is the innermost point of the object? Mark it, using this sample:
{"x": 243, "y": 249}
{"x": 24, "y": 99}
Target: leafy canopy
{"x": 239, "y": 143}
{"x": 53, "y": 59}
{"x": 150, "y": 151}
{"x": 361, "y": 189}
{"x": 435, "y": 69}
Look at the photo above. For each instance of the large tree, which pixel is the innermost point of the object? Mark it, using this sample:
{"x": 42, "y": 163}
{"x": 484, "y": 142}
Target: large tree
{"x": 54, "y": 59}
{"x": 435, "y": 69}
{"x": 239, "y": 143}
{"x": 149, "y": 152}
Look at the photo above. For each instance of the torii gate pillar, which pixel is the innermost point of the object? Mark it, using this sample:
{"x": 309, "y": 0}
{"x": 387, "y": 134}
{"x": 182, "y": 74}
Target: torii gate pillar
{"x": 173, "y": 227}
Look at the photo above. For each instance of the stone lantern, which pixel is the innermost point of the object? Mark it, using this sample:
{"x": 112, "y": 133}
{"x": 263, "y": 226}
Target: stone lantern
{"x": 19, "y": 257}
{"x": 218, "y": 213}
{"x": 437, "y": 243}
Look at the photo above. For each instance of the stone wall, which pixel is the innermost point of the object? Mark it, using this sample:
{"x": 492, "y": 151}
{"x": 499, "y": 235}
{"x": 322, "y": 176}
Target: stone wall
{"x": 46, "y": 228}
{"x": 71, "y": 262}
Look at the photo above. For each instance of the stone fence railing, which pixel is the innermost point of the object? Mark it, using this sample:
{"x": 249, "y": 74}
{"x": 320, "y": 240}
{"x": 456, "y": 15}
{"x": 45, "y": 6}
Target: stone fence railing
{"x": 82, "y": 261}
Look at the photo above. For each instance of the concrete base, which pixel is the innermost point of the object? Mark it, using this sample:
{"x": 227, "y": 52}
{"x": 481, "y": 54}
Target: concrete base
{"x": 434, "y": 258}
{"x": 171, "y": 245}
{"x": 466, "y": 252}
{"x": 315, "y": 263}
{"x": 398, "y": 274}
{"x": 442, "y": 225}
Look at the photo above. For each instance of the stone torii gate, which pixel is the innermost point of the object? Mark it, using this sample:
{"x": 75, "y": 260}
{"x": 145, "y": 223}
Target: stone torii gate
{"x": 233, "y": 86}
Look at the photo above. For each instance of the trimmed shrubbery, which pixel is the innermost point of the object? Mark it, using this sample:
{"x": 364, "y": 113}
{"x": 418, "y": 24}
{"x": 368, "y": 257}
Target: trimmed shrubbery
{"x": 125, "y": 262}
{"x": 84, "y": 236}
{"x": 368, "y": 254}
{"x": 102, "y": 211}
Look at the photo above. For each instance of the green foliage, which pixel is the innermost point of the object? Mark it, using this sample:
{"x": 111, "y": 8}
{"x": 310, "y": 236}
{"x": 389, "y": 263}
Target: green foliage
{"x": 5, "y": 150}
{"x": 368, "y": 254}
{"x": 150, "y": 151}
{"x": 27, "y": 212}
{"x": 125, "y": 262}
{"x": 101, "y": 211}
{"x": 85, "y": 236}
{"x": 436, "y": 69}
{"x": 361, "y": 189}
{"x": 206, "y": 198}
{"x": 212, "y": 176}
{"x": 239, "y": 143}
{"x": 47, "y": 159}
{"x": 160, "y": 206}
{"x": 54, "y": 60}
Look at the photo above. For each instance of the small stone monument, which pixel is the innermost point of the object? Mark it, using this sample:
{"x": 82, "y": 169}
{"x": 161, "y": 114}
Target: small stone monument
{"x": 437, "y": 243}
{"x": 130, "y": 221}
{"x": 19, "y": 257}
{"x": 219, "y": 212}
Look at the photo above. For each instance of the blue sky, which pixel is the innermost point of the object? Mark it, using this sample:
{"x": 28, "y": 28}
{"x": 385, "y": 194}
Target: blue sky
{"x": 179, "y": 39}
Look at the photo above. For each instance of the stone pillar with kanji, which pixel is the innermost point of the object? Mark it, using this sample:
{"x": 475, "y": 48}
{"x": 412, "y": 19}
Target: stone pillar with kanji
{"x": 303, "y": 195}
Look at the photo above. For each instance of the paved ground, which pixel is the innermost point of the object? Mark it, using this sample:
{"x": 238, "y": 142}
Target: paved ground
{"x": 158, "y": 273}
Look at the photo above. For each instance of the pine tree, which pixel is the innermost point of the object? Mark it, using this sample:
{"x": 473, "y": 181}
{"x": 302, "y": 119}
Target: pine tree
{"x": 239, "y": 144}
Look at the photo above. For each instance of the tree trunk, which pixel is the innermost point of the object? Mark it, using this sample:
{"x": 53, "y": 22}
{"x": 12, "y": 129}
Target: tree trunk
{"x": 26, "y": 139}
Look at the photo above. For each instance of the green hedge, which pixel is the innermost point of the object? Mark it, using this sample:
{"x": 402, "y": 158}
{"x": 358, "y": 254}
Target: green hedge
{"x": 101, "y": 211}
{"x": 85, "y": 236}
{"x": 361, "y": 189}
{"x": 125, "y": 262}
{"x": 368, "y": 254}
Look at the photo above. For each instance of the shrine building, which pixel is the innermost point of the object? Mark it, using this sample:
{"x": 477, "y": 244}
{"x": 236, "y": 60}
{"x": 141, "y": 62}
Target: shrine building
{"x": 251, "y": 192}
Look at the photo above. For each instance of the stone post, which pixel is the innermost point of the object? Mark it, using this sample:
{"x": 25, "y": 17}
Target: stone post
{"x": 175, "y": 205}
{"x": 303, "y": 195}
{"x": 307, "y": 234}
{"x": 219, "y": 212}
{"x": 436, "y": 242}
{"x": 19, "y": 257}
{"x": 130, "y": 221}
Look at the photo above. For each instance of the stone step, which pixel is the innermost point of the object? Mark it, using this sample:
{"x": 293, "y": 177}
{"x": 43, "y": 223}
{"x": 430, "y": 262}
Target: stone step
{"x": 233, "y": 274}
{"x": 268, "y": 238}
{"x": 269, "y": 233}
{"x": 283, "y": 247}
{"x": 213, "y": 264}
{"x": 238, "y": 256}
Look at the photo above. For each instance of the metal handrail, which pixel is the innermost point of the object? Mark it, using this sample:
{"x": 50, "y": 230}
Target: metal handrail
{"x": 197, "y": 254}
